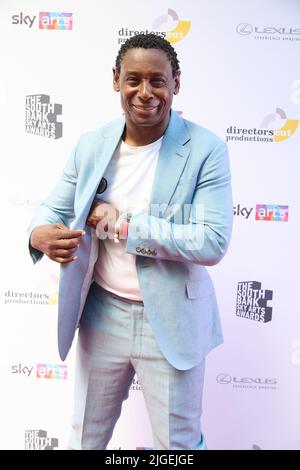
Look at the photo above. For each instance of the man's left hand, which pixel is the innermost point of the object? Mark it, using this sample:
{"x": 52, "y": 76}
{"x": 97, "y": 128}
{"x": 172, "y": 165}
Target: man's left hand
{"x": 102, "y": 218}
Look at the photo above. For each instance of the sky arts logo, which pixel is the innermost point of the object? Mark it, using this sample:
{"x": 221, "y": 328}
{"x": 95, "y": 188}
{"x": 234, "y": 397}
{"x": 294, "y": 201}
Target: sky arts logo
{"x": 19, "y": 369}
{"x": 269, "y": 212}
{"x": 43, "y": 371}
{"x": 55, "y": 20}
{"x": 260, "y": 383}
{"x": 168, "y": 26}
{"x": 252, "y": 302}
{"x": 268, "y": 32}
{"x": 37, "y": 439}
{"x": 41, "y": 117}
{"x": 51, "y": 371}
{"x": 242, "y": 211}
{"x": 272, "y": 213}
{"x": 275, "y": 127}
{"x": 47, "y": 20}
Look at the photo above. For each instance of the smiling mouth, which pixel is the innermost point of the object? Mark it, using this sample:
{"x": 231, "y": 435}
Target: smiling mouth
{"x": 144, "y": 108}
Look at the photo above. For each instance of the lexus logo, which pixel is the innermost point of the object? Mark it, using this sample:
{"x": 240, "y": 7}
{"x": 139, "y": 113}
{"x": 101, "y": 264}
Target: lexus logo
{"x": 224, "y": 379}
{"x": 244, "y": 28}
{"x": 254, "y": 381}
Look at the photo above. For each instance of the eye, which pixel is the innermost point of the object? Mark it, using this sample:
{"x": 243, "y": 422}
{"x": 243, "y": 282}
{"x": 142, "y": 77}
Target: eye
{"x": 157, "y": 82}
{"x": 132, "y": 80}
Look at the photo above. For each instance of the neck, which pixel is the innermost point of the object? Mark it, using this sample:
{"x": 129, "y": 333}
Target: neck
{"x": 138, "y": 136}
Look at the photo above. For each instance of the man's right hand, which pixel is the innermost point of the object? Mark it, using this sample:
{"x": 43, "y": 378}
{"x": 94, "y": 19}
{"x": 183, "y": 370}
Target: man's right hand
{"x": 56, "y": 241}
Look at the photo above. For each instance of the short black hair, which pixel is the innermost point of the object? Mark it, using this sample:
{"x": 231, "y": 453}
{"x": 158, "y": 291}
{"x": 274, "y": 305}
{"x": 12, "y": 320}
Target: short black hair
{"x": 148, "y": 41}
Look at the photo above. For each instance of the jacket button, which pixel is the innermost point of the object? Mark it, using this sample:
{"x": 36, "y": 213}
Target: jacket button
{"x": 138, "y": 249}
{"x": 149, "y": 252}
{"x": 143, "y": 251}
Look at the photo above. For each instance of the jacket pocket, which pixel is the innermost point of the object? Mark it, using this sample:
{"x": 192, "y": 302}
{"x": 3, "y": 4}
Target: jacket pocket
{"x": 196, "y": 288}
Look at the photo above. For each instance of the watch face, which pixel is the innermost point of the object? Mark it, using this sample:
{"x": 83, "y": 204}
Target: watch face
{"x": 102, "y": 186}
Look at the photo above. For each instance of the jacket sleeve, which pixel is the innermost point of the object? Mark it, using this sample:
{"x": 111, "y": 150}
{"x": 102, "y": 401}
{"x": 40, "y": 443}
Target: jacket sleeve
{"x": 58, "y": 207}
{"x": 204, "y": 238}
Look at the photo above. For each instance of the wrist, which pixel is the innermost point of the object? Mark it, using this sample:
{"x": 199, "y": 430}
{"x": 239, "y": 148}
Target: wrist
{"x": 125, "y": 228}
{"x": 32, "y": 239}
{"x": 122, "y": 226}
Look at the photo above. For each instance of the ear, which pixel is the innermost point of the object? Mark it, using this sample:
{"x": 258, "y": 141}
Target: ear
{"x": 116, "y": 79}
{"x": 177, "y": 82}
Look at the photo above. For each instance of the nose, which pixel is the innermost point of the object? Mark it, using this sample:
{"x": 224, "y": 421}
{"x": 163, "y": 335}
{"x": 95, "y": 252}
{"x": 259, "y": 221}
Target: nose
{"x": 145, "y": 90}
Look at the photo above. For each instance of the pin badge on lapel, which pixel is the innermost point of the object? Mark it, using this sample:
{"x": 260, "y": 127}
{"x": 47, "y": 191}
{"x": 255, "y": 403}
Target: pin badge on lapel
{"x": 102, "y": 186}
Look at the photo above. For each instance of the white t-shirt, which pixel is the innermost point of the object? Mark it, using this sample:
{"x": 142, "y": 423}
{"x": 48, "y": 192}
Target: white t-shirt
{"x": 129, "y": 177}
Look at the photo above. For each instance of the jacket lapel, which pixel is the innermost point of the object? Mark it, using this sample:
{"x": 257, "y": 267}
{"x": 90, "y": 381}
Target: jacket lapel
{"x": 102, "y": 154}
{"x": 104, "y": 151}
{"x": 171, "y": 162}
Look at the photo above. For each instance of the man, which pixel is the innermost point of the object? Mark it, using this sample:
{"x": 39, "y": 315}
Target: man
{"x": 150, "y": 203}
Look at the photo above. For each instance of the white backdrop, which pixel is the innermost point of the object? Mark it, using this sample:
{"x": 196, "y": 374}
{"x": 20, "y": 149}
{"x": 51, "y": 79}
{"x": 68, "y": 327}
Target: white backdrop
{"x": 241, "y": 79}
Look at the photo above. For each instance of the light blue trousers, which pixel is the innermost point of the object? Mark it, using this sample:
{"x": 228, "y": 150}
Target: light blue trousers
{"x": 115, "y": 342}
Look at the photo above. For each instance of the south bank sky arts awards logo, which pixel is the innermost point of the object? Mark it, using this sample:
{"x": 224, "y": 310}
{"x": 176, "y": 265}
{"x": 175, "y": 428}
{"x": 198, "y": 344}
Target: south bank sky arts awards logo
{"x": 37, "y": 439}
{"x": 169, "y": 26}
{"x": 252, "y": 302}
{"x": 41, "y": 116}
{"x": 275, "y": 127}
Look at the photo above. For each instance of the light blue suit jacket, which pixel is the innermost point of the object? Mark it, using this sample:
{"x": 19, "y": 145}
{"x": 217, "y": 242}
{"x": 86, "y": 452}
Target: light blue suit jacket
{"x": 172, "y": 245}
